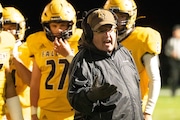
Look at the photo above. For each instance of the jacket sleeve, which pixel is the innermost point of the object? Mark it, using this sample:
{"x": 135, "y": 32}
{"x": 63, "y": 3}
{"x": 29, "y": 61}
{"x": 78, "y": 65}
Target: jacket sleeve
{"x": 79, "y": 85}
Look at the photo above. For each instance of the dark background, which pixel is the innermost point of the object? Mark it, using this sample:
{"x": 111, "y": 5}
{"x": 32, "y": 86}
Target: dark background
{"x": 160, "y": 15}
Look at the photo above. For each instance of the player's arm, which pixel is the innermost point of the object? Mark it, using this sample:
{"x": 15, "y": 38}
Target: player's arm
{"x": 34, "y": 91}
{"x": 151, "y": 63}
{"x": 23, "y": 72}
{"x": 12, "y": 100}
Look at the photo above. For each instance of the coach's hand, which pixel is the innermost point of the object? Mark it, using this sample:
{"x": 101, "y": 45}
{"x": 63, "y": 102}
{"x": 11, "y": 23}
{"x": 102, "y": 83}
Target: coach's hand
{"x": 101, "y": 93}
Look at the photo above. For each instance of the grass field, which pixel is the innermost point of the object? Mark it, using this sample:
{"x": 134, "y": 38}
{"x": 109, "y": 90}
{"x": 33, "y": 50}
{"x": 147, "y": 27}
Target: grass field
{"x": 167, "y": 107}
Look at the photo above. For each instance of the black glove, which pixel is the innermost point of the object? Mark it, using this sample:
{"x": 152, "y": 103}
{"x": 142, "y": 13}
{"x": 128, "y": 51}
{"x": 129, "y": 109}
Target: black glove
{"x": 101, "y": 93}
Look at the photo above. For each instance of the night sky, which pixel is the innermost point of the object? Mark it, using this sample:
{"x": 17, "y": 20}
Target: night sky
{"x": 160, "y": 15}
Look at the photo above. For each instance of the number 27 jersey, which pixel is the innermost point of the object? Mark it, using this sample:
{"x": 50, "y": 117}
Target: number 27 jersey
{"x": 54, "y": 72}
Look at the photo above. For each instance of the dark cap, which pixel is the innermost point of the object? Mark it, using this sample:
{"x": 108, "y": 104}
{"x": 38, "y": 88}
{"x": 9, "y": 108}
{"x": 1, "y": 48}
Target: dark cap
{"x": 100, "y": 17}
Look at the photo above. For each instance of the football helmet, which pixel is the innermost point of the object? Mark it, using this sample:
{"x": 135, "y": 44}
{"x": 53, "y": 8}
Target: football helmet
{"x": 12, "y": 15}
{"x": 123, "y": 6}
{"x": 1, "y": 18}
{"x": 59, "y": 11}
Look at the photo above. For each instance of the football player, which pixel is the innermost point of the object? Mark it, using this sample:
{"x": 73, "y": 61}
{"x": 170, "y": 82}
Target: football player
{"x": 14, "y": 22}
{"x": 7, "y": 89}
{"x": 52, "y": 51}
{"x": 145, "y": 45}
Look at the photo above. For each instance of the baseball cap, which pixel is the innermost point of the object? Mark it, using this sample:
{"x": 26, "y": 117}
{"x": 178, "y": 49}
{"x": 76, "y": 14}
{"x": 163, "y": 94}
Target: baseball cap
{"x": 100, "y": 17}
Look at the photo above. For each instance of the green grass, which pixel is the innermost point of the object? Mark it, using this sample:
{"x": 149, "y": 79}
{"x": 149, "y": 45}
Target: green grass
{"x": 167, "y": 107}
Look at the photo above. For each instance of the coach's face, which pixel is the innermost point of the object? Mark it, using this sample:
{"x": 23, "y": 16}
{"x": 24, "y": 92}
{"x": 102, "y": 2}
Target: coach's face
{"x": 105, "y": 38}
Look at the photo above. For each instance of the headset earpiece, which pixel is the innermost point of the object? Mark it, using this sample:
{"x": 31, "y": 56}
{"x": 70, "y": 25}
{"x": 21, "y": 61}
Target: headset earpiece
{"x": 87, "y": 31}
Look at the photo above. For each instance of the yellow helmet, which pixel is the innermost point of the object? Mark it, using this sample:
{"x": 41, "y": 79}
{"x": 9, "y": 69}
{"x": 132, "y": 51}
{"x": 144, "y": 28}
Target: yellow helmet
{"x": 124, "y": 6}
{"x": 59, "y": 11}
{"x": 1, "y": 18}
{"x": 12, "y": 15}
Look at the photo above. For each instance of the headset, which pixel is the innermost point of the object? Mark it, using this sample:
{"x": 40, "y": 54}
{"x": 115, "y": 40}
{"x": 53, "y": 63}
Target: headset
{"x": 87, "y": 31}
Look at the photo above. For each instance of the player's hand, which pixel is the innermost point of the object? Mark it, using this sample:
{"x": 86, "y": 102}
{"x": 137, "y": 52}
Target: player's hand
{"x": 101, "y": 93}
{"x": 62, "y": 47}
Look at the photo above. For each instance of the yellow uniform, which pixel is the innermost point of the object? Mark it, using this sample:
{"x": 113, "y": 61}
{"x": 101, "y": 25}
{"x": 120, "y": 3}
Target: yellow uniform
{"x": 22, "y": 89}
{"x": 12, "y": 18}
{"x": 143, "y": 40}
{"x": 7, "y": 42}
{"x": 54, "y": 77}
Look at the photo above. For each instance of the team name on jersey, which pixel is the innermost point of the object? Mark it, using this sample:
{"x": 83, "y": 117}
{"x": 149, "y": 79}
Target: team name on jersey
{"x": 48, "y": 53}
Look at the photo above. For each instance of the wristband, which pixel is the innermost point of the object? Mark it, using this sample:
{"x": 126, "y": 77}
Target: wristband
{"x": 14, "y": 108}
{"x": 33, "y": 110}
{"x": 70, "y": 57}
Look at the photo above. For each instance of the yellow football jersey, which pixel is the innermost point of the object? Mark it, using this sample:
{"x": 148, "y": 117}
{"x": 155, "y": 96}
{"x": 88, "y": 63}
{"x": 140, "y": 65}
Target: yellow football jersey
{"x": 54, "y": 69}
{"x": 27, "y": 62}
{"x": 7, "y": 42}
{"x": 22, "y": 89}
{"x": 143, "y": 40}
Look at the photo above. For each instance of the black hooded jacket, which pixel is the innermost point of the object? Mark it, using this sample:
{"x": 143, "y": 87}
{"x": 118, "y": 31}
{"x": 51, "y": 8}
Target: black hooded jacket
{"x": 118, "y": 69}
